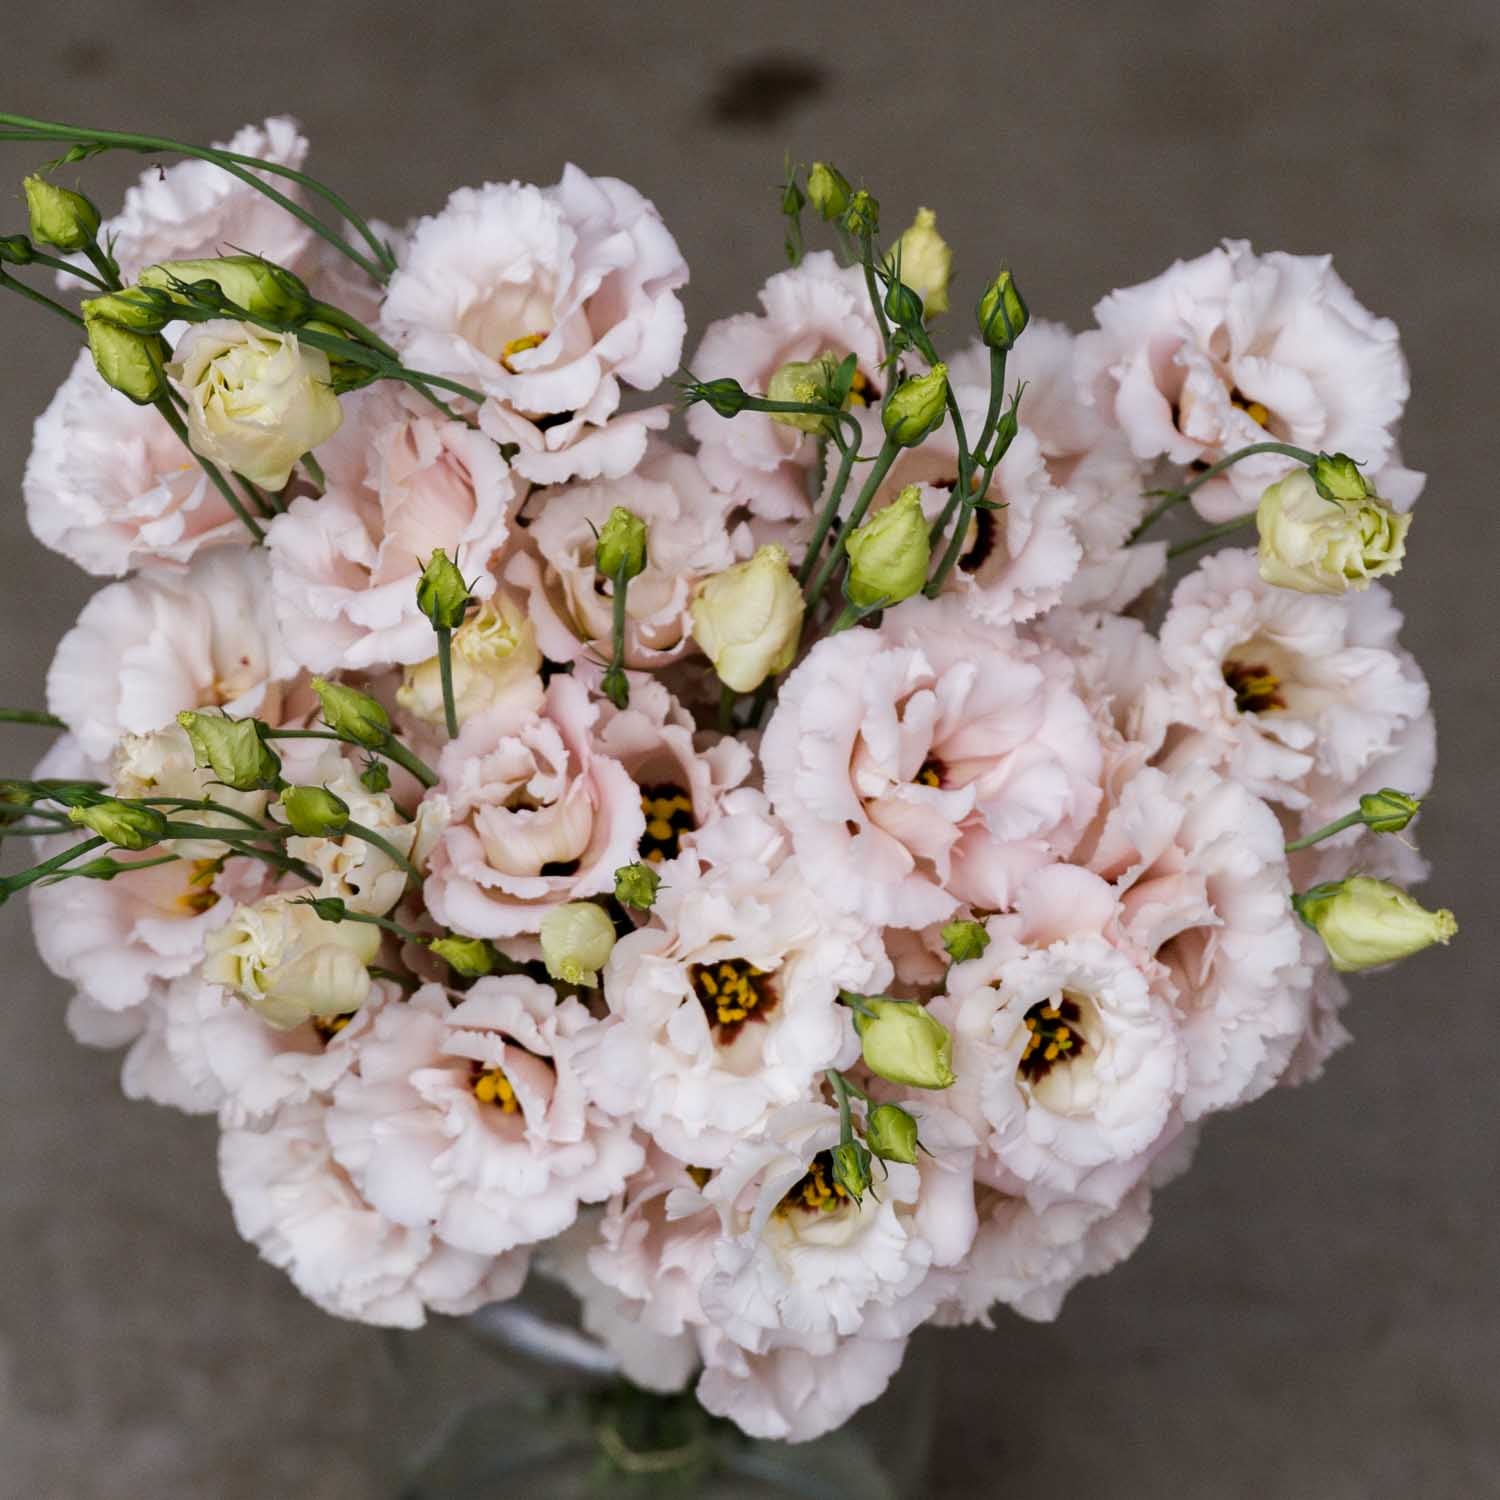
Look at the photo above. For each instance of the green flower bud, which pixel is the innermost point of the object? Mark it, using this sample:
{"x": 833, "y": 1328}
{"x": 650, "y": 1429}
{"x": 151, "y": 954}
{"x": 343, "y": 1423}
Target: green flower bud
{"x": 134, "y": 308}
{"x": 924, "y": 261}
{"x": 965, "y": 940}
{"x": 261, "y": 288}
{"x": 615, "y": 685}
{"x": 622, "y": 544}
{"x": 376, "y": 776}
{"x": 314, "y": 811}
{"x": 470, "y": 958}
{"x": 354, "y": 715}
{"x": 727, "y": 397}
{"x": 636, "y": 886}
{"x": 903, "y": 1043}
{"x": 63, "y": 219}
{"x": 1002, "y": 312}
{"x": 1365, "y": 923}
{"x": 345, "y": 373}
{"x": 329, "y": 908}
{"x": 916, "y": 407}
{"x": 804, "y": 380}
{"x": 889, "y": 554}
{"x": 851, "y": 1168}
{"x": 16, "y": 250}
{"x": 232, "y": 749}
{"x": 828, "y": 191}
{"x": 577, "y": 939}
{"x": 862, "y": 215}
{"x": 1337, "y": 477}
{"x": 131, "y": 363}
{"x": 1388, "y": 811}
{"x": 902, "y": 305}
{"x": 891, "y": 1134}
{"x": 442, "y": 594}
{"x": 127, "y": 825}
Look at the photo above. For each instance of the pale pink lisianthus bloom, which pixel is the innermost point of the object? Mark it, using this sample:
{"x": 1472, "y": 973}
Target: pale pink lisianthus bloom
{"x": 536, "y": 816}
{"x": 931, "y": 762}
{"x": 111, "y": 487}
{"x": 547, "y": 300}
{"x": 688, "y": 539}
{"x": 402, "y": 484}
{"x": 298, "y": 1206}
{"x": 1236, "y": 348}
{"x": 817, "y": 307}
{"x": 471, "y": 1119}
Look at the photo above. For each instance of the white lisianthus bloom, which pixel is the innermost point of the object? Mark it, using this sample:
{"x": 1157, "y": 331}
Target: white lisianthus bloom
{"x": 256, "y": 401}
{"x": 934, "y": 761}
{"x": 298, "y": 1207}
{"x": 688, "y": 539}
{"x": 1321, "y": 546}
{"x": 536, "y": 816}
{"x": 194, "y": 208}
{"x": 402, "y": 483}
{"x": 146, "y": 648}
{"x": 1235, "y": 348}
{"x": 288, "y": 964}
{"x": 725, "y": 1004}
{"x": 1326, "y": 1032}
{"x": 110, "y": 486}
{"x": 495, "y": 660}
{"x": 471, "y": 1120}
{"x": 547, "y": 300}
{"x": 817, "y": 307}
{"x": 1068, "y": 1057}
{"x": 1297, "y": 696}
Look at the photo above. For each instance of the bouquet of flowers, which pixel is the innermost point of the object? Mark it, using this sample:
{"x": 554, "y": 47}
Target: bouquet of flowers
{"x": 790, "y": 882}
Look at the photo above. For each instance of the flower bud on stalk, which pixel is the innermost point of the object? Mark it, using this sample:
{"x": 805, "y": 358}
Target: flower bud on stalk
{"x": 891, "y": 1134}
{"x": 622, "y": 545}
{"x": 126, "y": 825}
{"x": 354, "y": 715}
{"x": 131, "y": 363}
{"x": 134, "y": 308}
{"x": 890, "y": 553}
{"x": 232, "y": 749}
{"x": 1002, "y": 312}
{"x": 903, "y": 1043}
{"x": 1365, "y": 922}
{"x": 442, "y": 594}
{"x": 916, "y": 407}
{"x": 636, "y": 886}
{"x": 1318, "y": 545}
{"x": 577, "y": 939}
{"x": 1337, "y": 477}
{"x": 16, "y": 250}
{"x": 851, "y": 1168}
{"x": 314, "y": 811}
{"x": 924, "y": 262}
{"x": 828, "y": 191}
{"x": 862, "y": 215}
{"x": 748, "y": 619}
{"x": 726, "y": 396}
{"x": 59, "y": 217}
{"x": 469, "y": 958}
{"x": 1388, "y": 811}
{"x": 262, "y": 288}
{"x": 805, "y": 381}
{"x": 965, "y": 940}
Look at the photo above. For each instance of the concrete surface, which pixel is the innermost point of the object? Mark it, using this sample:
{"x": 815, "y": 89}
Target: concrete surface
{"x": 1314, "y": 1315}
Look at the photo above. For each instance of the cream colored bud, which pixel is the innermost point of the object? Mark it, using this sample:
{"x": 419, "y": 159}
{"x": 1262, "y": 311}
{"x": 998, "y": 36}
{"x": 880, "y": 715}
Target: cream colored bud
{"x": 924, "y": 261}
{"x": 1365, "y": 923}
{"x": 889, "y": 554}
{"x": 1322, "y": 546}
{"x": 494, "y": 655}
{"x": 262, "y": 288}
{"x": 902, "y": 1042}
{"x": 748, "y": 619}
{"x": 577, "y": 939}
{"x": 804, "y": 381}
{"x": 256, "y": 401}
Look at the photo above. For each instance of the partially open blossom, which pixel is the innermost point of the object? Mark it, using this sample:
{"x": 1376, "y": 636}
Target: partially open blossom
{"x": 577, "y": 938}
{"x": 748, "y": 619}
{"x": 1321, "y": 546}
{"x": 1365, "y": 923}
{"x": 924, "y": 261}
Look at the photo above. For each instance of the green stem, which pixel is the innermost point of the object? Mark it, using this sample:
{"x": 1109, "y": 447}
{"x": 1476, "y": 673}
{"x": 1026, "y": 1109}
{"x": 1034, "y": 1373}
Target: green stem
{"x": 104, "y": 266}
{"x": 175, "y": 422}
{"x": 31, "y": 716}
{"x": 991, "y": 418}
{"x": 19, "y": 881}
{"x": 39, "y": 258}
{"x": 867, "y": 261}
{"x": 40, "y": 298}
{"x": 326, "y": 312}
{"x": 314, "y": 471}
{"x": 878, "y": 470}
{"x": 1176, "y": 497}
{"x": 830, "y": 510}
{"x": 370, "y": 920}
{"x": 376, "y": 841}
{"x": 393, "y": 749}
{"x": 201, "y": 805}
{"x": 1211, "y": 535}
{"x": 445, "y": 673}
{"x": 727, "y": 699}
{"x": 1349, "y": 820}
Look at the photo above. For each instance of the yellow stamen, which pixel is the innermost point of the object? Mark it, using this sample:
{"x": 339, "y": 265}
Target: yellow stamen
{"x": 491, "y": 1086}
{"x": 520, "y": 346}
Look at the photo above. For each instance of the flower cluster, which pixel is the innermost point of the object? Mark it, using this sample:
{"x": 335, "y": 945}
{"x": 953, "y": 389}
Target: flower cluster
{"x": 791, "y": 884}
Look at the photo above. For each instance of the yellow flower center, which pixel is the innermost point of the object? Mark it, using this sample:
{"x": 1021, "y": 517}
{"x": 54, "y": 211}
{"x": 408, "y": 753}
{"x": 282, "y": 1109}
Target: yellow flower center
{"x": 1256, "y": 688}
{"x": 732, "y": 992}
{"x": 669, "y": 815}
{"x": 520, "y": 346}
{"x": 328, "y": 1027}
{"x": 931, "y": 772}
{"x": 491, "y": 1086}
{"x": 1255, "y": 410}
{"x": 200, "y": 895}
{"x": 1054, "y": 1037}
{"x": 815, "y": 1192}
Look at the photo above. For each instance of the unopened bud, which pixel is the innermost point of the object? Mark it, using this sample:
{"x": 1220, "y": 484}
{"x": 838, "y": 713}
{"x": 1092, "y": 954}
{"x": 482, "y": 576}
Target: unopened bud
{"x": 16, "y": 250}
{"x": 916, "y": 407}
{"x": 965, "y": 940}
{"x": 748, "y": 619}
{"x": 851, "y": 1168}
{"x": 636, "y": 886}
{"x": 1388, "y": 811}
{"x": 828, "y": 190}
{"x": 135, "y": 308}
{"x": 1337, "y": 477}
{"x": 726, "y": 396}
{"x": 232, "y": 749}
{"x": 442, "y": 594}
{"x": 891, "y": 1134}
{"x": 59, "y": 217}
{"x": 354, "y": 715}
{"x": 127, "y": 825}
{"x": 314, "y": 811}
{"x": 376, "y": 776}
{"x": 924, "y": 262}
{"x": 470, "y": 958}
{"x": 862, "y": 216}
{"x": 1365, "y": 922}
{"x": 889, "y": 554}
{"x": 129, "y": 362}
{"x": 804, "y": 381}
{"x": 577, "y": 939}
{"x": 259, "y": 287}
{"x": 903, "y": 1043}
{"x": 622, "y": 545}
{"x": 1002, "y": 312}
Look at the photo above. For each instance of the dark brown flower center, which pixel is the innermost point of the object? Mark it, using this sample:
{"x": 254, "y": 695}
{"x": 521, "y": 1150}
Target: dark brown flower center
{"x": 815, "y": 1191}
{"x": 733, "y": 993}
{"x": 1256, "y": 688}
{"x": 669, "y": 815}
{"x": 1255, "y": 410}
{"x": 930, "y": 773}
{"x": 1054, "y": 1037}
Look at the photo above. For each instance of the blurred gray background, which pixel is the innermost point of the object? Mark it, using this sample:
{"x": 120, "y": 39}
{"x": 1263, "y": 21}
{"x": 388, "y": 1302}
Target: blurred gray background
{"x": 1314, "y": 1314}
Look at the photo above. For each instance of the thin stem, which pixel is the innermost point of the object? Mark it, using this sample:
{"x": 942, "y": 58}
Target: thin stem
{"x": 867, "y": 260}
{"x": 68, "y": 267}
{"x": 103, "y": 265}
{"x": 370, "y": 920}
{"x": 201, "y": 805}
{"x": 1211, "y": 535}
{"x": 314, "y": 471}
{"x": 19, "y": 881}
{"x": 376, "y": 841}
{"x": 878, "y": 470}
{"x": 326, "y": 312}
{"x": 32, "y": 295}
{"x": 445, "y": 673}
{"x": 393, "y": 749}
{"x": 1349, "y": 820}
{"x": 964, "y": 500}
{"x": 1176, "y": 497}
{"x": 31, "y": 716}
{"x": 727, "y": 699}
{"x": 175, "y": 422}
{"x": 830, "y": 510}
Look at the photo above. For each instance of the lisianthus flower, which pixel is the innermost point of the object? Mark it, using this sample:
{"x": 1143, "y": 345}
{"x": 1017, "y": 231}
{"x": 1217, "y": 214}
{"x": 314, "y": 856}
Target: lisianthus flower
{"x": 111, "y": 487}
{"x": 1297, "y": 696}
{"x": 934, "y": 761}
{"x": 293, "y": 1201}
{"x": 402, "y": 484}
{"x": 471, "y": 1120}
{"x": 688, "y": 539}
{"x": 725, "y": 1004}
{"x": 536, "y": 816}
{"x": 166, "y": 640}
{"x": 817, "y": 307}
{"x": 547, "y": 300}
{"x": 1235, "y": 348}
